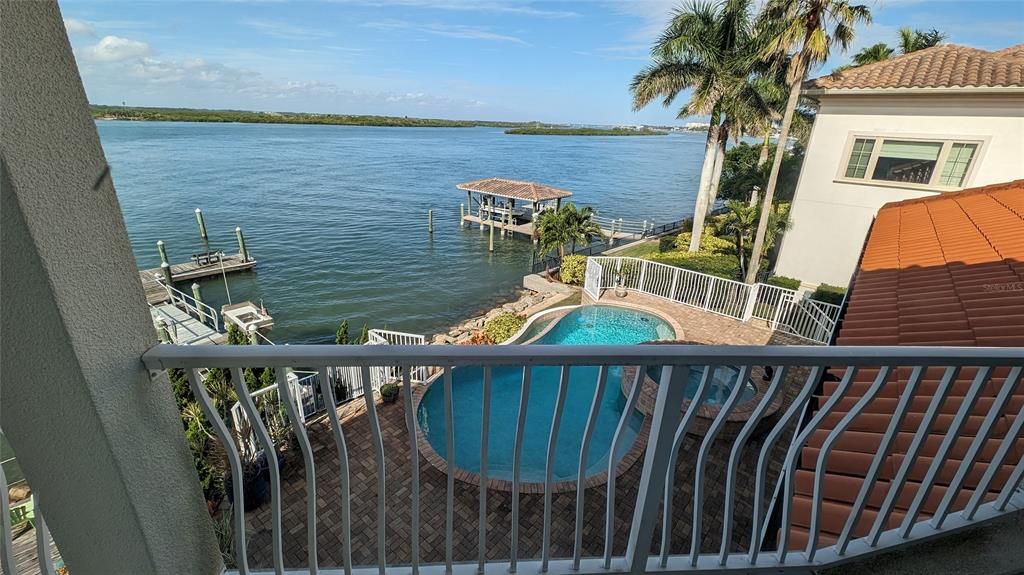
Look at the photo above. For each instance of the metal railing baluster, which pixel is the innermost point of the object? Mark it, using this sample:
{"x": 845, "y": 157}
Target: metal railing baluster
{"x": 485, "y": 419}
{"x": 891, "y": 431}
{"x": 899, "y": 482}
{"x": 826, "y": 448}
{"x": 734, "y": 456}
{"x": 7, "y": 559}
{"x": 449, "y": 442}
{"x": 789, "y": 467}
{"x": 1007, "y": 445}
{"x": 581, "y": 474}
{"x": 378, "y": 444}
{"x": 627, "y": 412}
{"x": 981, "y": 437}
{"x": 517, "y": 461}
{"x": 414, "y": 462}
{"x": 966, "y": 407}
{"x": 705, "y": 447}
{"x": 703, "y": 389}
{"x": 346, "y": 490}
{"x": 234, "y": 461}
{"x": 549, "y": 464}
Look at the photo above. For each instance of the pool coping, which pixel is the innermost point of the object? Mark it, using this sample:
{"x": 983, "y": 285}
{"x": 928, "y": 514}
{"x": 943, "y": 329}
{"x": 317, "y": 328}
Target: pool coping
{"x": 628, "y": 459}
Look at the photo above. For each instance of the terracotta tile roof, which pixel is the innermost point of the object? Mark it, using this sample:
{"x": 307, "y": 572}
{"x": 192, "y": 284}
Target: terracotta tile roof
{"x": 935, "y": 271}
{"x": 946, "y": 66}
{"x": 516, "y": 189}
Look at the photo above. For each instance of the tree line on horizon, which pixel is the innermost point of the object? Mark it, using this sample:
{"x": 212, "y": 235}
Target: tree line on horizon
{"x": 744, "y": 70}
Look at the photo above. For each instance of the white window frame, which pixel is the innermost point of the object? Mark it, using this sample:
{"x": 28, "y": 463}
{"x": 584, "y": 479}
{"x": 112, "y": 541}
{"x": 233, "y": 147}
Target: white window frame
{"x": 947, "y": 142}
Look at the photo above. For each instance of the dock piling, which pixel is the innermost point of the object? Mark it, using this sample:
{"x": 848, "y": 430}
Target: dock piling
{"x": 166, "y": 269}
{"x": 462, "y": 215}
{"x": 491, "y": 245}
{"x": 196, "y": 294}
{"x": 430, "y": 221}
{"x": 253, "y": 338}
{"x": 163, "y": 252}
{"x": 242, "y": 251}
{"x": 202, "y": 224}
{"x": 161, "y": 330}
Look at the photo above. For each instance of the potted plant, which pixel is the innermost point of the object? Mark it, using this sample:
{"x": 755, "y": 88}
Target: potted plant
{"x": 389, "y": 392}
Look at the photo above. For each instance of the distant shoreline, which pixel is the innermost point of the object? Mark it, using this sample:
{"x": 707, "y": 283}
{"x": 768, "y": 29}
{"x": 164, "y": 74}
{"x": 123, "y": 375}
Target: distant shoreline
{"x": 558, "y": 131}
{"x": 144, "y": 114}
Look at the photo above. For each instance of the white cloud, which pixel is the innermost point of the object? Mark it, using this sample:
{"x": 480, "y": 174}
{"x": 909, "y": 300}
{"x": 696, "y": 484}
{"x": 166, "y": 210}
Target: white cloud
{"x": 448, "y": 30}
{"x": 74, "y": 26}
{"x": 113, "y": 49}
{"x": 286, "y": 31}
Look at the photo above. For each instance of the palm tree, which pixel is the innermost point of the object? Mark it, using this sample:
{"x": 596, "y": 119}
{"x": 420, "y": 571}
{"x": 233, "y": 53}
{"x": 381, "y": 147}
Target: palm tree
{"x": 706, "y": 48}
{"x": 550, "y": 228}
{"x": 809, "y": 29}
{"x": 580, "y": 227}
{"x": 914, "y": 40}
{"x": 877, "y": 53}
{"x": 740, "y": 221}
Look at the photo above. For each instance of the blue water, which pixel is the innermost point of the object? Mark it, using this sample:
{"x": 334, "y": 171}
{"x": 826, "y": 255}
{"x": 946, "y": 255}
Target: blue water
{"x": 609, "y": 325}
{"x": 583, "y": 325}
{"x": 336, "y": 215}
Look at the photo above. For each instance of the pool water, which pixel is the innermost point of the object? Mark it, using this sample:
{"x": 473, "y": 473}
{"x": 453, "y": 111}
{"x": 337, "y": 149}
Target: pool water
{"x": 586, "y": 325}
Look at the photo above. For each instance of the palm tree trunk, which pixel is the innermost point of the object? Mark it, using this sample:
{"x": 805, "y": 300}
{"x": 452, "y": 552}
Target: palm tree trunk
{"x": 700, "y": 210}
{"x": 763, "y": 157}
{"x": 773, "y": 178}
{"x": 716, "y": 174}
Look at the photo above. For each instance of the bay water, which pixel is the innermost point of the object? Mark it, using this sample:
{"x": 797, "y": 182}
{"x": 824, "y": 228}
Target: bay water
{"x": 337, "y": 215}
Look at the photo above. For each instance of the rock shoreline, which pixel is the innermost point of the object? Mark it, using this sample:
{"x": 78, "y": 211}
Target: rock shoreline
{"x": 462, "y": 332}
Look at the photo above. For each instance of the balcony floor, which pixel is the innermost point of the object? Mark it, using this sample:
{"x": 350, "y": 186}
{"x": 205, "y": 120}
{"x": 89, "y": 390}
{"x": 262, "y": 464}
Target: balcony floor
{"x": 432, "y": 500}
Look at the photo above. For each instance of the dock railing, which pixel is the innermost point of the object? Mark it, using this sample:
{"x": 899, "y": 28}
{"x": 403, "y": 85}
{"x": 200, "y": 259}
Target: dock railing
{"x": 782, "y": 309}
{"x": 197, "y": 309}
{"x": 980, "y": 485}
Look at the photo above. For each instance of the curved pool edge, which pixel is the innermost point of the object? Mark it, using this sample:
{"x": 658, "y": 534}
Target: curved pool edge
{"x": 671, "y": 321}
{"x": 627, "y": 461}
{"x": 560, "y": 310}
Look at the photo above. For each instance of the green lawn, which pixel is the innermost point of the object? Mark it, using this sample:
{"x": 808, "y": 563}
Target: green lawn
{"x": 644, "y": 249}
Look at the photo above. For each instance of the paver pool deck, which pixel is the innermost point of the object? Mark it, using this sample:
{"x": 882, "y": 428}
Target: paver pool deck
{"x": 698, "y": 326}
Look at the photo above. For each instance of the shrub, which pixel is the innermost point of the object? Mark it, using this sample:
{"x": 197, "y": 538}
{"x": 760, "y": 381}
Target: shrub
{"x": 708, "y": 243}
{"x": 721, "y": 265}
{"x": 666, "y": 243}
{"x": 573, "y": 270}
{"x": 389, "y": 392}
{"x": 829, "y": 294}
{"x": 784, "y": 282}
{"x": 503, "y": 326}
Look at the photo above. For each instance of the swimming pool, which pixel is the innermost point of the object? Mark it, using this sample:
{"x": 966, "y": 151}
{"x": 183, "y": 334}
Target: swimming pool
{"x": 585, "y": 325}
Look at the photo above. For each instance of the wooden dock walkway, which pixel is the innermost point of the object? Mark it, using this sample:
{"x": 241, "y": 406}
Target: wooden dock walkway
{"x": 155, "y": 292}
{"x": 185, "y": 329}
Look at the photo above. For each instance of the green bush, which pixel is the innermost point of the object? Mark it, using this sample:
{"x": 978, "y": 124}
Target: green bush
{"x": 709, "y": 243}
{"x": 666, "y": 243}
{"x": 721, "y": 265}
{"x": 829, "y": 294}
{"x": 389, "y": 392}
{"x": 784, "y": 282}
{"x": 573, "y": 270}
{"x": 501, "y": 327}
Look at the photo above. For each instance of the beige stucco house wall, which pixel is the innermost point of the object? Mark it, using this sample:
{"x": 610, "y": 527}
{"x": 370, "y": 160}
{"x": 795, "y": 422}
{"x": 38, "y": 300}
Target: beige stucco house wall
{"x": 831, "y": 215}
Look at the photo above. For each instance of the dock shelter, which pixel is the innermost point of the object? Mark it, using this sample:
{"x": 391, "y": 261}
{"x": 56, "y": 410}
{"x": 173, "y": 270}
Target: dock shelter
{"x": 511, "y": 204}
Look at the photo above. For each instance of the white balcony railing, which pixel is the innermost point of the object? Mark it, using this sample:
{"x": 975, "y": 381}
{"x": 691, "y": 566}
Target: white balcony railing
{"x": 782, "y": 309}
{"x": 760, "y": 454}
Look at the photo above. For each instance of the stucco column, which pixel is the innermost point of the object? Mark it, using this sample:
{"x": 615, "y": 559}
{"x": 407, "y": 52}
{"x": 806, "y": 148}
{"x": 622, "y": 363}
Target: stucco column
{"x": 98, "y": 440}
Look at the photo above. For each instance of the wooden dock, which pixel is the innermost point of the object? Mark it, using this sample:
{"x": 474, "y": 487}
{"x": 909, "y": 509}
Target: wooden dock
{"x": 527, "y": 228}
{"x": 155, "y": 292}
{"x": 185, "y": 329}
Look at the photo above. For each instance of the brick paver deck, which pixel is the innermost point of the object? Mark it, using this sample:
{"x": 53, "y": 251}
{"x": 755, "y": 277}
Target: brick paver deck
{"x": 432, "y": 501}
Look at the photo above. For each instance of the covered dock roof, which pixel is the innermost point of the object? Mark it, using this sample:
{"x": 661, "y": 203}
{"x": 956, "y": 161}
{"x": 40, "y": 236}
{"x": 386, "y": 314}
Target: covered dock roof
{"x": 514, "y": 189}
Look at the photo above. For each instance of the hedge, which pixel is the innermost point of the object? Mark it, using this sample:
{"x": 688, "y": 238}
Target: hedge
{"x": 784, "y": 282}
{"x": 830, "y": 294}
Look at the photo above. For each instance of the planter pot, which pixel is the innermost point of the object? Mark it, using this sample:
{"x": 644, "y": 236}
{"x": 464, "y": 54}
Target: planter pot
{"x": 255, "y": 484}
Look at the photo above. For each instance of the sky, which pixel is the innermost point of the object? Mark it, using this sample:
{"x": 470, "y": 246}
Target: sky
{"x": 463, "y": 59}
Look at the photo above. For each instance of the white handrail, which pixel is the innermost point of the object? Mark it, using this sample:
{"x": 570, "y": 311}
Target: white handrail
{"x": 798, "y": 368}
{"x": 191, "y": 305}
{"x": 783, "y": 309}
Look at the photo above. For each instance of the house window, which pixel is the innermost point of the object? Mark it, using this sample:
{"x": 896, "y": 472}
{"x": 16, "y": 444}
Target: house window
{"x": 912, "y": 162}
{"x": 955, "y": 170}
{"x": 860, "y": 157}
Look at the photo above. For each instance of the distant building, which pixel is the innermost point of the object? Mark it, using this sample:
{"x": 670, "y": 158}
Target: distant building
{"x": 934, "y": 121}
